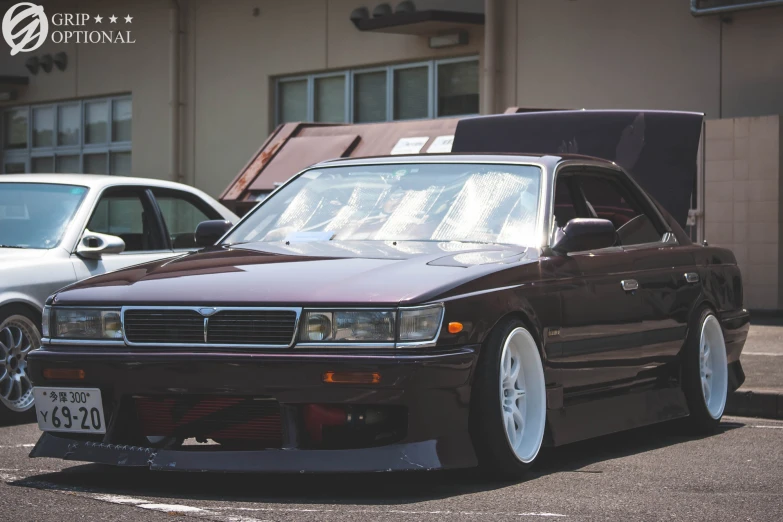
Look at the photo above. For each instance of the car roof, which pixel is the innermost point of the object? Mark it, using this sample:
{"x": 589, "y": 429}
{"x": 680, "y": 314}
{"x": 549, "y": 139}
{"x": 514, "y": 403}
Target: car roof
{"x": 538, "y": 159}
{"x": 93, "y": 181}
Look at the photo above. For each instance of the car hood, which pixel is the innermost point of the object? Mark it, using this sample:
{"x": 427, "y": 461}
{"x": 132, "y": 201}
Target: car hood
{"x": 324, "y": 273}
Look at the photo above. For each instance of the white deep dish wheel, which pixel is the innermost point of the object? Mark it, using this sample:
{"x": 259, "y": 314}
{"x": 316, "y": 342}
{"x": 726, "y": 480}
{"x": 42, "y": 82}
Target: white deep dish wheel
{"x": 522, "y": 395}
{"x": 713, "y": 369}
{"x": 18, "y": 335}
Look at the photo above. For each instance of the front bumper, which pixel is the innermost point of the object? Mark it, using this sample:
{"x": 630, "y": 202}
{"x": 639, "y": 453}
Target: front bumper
{"x": 433, "y": 387}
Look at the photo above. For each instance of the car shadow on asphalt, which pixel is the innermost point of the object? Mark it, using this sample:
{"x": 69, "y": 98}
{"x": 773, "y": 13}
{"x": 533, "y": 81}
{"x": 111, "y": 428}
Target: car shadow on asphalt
{"x": 363, "y": 488}
{"x": 15, "y": 419}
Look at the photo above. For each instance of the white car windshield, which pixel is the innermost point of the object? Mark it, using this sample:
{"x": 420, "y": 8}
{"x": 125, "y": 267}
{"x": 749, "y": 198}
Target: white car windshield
{"x": 484, "y": 203}
{"x": 36, "y": 215}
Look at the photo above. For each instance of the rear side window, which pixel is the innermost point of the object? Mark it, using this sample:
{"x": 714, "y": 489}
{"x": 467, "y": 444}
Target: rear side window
{"x": 182, "y": 212}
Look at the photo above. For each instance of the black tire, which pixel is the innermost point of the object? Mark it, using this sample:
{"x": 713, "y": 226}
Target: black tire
{"x": 496, "y": 457}
{"x": 19, "y": 315}
{"x": 700, "y": 421}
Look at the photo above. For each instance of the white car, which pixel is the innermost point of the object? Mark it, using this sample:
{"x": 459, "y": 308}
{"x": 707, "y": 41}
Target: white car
{"x": 56, "y": 229}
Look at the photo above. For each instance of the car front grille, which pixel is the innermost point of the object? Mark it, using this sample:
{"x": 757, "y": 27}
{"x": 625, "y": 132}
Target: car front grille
{"x": 227, "y": 420}
{"x": 211, "y": 326}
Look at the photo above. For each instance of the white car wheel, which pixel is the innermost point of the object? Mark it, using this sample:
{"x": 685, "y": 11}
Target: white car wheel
{"x": 522, "y": 395}
{"x": 713, "y": 369}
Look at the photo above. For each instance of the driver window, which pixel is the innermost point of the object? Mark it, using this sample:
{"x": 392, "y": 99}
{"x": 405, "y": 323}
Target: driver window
{"x": 602, "y": 197}
{"x": 123, "y": 215}
{"x": 606, "y": 199}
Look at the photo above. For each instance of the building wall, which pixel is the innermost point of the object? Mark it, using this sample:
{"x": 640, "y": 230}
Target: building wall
{"x": 234, "y": 76}
{"x": 553, "y": 53}
{"x": 742, "y": 201}
{"x": 106, "y": 69}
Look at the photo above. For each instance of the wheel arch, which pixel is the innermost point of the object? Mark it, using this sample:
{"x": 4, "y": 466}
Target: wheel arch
{"x": 23, "y": 304}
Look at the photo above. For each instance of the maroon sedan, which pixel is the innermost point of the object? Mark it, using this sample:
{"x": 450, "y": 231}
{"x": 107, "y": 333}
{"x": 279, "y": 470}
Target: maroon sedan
{"x": 406, "y": 313}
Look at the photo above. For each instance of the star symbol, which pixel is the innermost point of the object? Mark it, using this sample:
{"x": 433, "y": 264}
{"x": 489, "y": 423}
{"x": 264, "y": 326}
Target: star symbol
{"x": 98, "y": 19}
{"x": 128, "y": 19}
{"x": 113, "y": 19}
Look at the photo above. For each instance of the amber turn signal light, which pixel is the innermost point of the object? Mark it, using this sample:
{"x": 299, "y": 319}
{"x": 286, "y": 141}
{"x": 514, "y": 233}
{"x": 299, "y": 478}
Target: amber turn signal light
{"x": 455, "y": 327}
{"x": 63, "y": 374}
{"x": 352, "y": 377}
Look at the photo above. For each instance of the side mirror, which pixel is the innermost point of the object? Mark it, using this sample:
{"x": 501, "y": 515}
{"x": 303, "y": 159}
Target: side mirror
{"x": 93, "y": 245}
{"x": 208, "y": 232}
{"x": 582, "y": 234}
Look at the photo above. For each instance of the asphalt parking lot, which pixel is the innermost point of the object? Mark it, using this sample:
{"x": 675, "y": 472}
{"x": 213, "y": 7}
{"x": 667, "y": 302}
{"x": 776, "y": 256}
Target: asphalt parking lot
{"x": 649, "y": 474}
{"x": 656, "y": 473}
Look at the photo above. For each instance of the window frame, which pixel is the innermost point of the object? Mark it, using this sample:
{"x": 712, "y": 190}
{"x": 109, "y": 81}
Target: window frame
{"x": 148, "y": 203}
{"x": 627, "y": 184}
{"x": 350, "y": 74}
{"x": 80, "y": 149}
{"x": 201, "y": 205}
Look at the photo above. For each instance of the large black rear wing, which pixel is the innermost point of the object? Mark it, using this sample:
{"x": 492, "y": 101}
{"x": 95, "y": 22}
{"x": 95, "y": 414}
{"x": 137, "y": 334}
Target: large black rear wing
{"x": 658, "y": 148}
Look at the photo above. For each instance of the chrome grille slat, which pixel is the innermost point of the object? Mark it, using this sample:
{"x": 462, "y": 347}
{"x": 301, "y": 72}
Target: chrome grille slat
{"x": 235, "y": 327}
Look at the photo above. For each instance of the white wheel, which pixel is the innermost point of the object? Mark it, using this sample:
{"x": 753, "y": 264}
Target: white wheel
{"x": 522, "y": 395}
{"x": 713, "y": 368}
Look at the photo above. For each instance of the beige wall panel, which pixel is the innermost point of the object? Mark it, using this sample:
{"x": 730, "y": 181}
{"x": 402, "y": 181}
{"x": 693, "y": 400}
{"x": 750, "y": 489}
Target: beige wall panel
{"x": 753, "y": 64}
{"x": 347, "y": 47}
{"x": 617, "y": 54}
{"x": 43, "y": 87}
{"x": 142, "y": 69}
{"x": 236, "y": 54}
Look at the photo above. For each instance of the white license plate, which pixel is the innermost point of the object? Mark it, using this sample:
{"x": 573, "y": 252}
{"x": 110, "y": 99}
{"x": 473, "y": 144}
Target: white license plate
{"x": 74, "y": 410}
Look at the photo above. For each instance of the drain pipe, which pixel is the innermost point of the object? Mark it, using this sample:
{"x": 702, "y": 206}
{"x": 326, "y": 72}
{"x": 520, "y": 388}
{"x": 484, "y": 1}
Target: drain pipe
{"x": 490, "y": 56}
{"x": 704, "y": 11}
{"x": 174, "y": 55}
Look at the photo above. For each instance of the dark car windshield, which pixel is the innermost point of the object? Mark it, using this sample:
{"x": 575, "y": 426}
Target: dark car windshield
{"x": 36, "y": 215}
{"x": 469, "y": 202}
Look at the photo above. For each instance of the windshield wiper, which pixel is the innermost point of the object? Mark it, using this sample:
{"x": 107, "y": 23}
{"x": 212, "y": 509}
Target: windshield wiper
{"x": 12, "y": 246}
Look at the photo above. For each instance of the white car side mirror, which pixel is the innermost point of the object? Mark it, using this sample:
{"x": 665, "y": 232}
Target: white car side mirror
{"x": 93, "y": 245}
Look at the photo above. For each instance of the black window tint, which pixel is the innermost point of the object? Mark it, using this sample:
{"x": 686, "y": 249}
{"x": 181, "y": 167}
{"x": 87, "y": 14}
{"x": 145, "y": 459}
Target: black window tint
{"x": 564, "y": 203}
{"x": 606, "y": 199}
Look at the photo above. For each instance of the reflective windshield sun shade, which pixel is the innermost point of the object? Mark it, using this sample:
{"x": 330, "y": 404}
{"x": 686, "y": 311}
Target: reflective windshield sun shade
{"x": 443, "y": 202}
{"x": 36, "y": 215}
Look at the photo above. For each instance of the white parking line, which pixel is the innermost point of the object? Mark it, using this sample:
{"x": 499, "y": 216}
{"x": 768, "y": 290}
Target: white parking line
{"x": 17, "y": 446}
{"x": 393, "y": 512}
{"x": 767, "y": 354}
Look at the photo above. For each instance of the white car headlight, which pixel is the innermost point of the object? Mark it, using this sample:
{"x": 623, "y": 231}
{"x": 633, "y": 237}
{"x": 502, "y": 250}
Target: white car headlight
{"x": 347, "y": 326}
{"x": 84, "y": 323}
{"x": 417, "y": 325}
{"x": 420, "y": 324}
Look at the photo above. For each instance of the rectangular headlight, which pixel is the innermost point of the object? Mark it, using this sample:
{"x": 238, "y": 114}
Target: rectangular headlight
{"x": 420, "y": 324}
{"x": 347, "y": 326}
{"x": 47, "y": 312}
{"x": 85, "y": 323}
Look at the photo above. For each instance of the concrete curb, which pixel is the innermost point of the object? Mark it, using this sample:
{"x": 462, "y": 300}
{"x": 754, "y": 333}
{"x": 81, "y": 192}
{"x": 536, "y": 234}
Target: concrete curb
{"x": 755, "y": 403}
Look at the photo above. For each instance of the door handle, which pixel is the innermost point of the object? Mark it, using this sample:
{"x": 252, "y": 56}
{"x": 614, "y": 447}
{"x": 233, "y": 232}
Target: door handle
{"x": 629, "y": 285}
{"x": 692, "y": 277}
